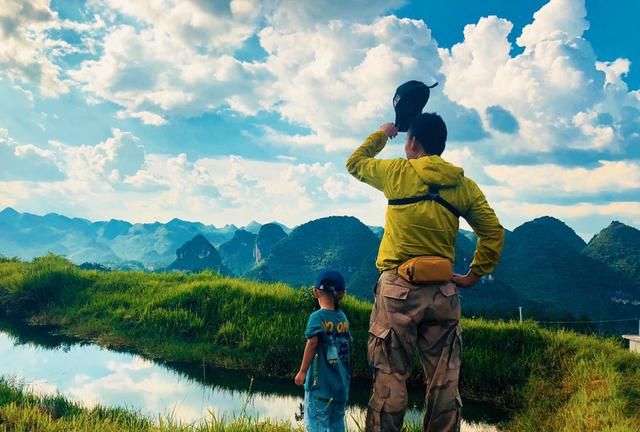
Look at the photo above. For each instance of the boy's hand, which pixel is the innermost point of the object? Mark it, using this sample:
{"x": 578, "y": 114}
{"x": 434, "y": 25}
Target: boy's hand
{"x": 390, "y": 129}
{"x": 300, "y": 377}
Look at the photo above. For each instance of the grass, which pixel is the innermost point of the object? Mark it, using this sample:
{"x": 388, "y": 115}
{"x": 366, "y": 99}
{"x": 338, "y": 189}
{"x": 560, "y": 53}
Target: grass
{"x": 551, "y": 380}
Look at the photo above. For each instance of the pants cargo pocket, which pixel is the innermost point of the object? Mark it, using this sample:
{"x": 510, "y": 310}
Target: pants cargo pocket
{"x": 448, "y": 289}
{"x": 376, "y": 347}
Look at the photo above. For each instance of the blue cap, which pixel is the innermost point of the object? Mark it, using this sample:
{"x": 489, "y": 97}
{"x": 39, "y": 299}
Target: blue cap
{"x": 330, "y": 280}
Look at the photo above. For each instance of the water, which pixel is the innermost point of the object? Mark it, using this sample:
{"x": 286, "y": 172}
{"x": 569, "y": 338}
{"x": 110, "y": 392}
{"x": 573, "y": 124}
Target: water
{"x": 91, "y": 375}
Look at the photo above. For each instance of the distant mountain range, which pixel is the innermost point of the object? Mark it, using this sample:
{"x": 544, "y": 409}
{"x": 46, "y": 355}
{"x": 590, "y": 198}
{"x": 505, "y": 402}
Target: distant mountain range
{"x": 114, "y": 243}
{"x": 545, "y": 266}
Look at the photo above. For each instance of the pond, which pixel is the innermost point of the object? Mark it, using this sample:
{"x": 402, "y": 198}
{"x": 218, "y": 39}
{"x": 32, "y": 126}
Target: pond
{"x": 89, "y": 374}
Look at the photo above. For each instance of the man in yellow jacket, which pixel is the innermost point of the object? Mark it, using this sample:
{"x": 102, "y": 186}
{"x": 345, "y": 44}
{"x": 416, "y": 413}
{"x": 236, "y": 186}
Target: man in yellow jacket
{"x": 426, "y": 196}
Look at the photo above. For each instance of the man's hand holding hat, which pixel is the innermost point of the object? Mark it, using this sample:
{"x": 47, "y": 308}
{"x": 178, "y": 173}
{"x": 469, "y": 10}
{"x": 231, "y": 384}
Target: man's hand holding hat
{"x": 390, "y": 129}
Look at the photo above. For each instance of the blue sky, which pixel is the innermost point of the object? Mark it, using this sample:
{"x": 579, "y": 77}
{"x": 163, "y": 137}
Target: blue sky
{"x": 227, "y": 112}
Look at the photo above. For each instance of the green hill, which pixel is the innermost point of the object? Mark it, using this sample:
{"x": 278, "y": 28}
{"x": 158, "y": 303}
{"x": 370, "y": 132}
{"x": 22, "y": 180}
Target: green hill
{"x": 618, "y": 246}
{"x": 340, "y": 242}
{"x": 267, "y": 237}
{"x": 237, "y": 253}
{"x": 539, "y": 264}
{"x": 197, "y": 255}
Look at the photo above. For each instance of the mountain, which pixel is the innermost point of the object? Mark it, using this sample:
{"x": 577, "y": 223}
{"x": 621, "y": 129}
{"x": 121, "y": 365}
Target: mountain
{"x": 377, "y": 230}
{"x": 196, "y": 255}
{"x": 267, "y": 237}
{"x": 111, "y": 229}
{"x": 252, "y": 227}
{"x": 341, "y": 242}
{"x": 28, "y": 236}
{"x": 560, "y": 230}
{"x": 114, "y": 243}
{"x": 618, "y": 247}
{"x": 238, "y": 253}
{"x": 540, "y": 262}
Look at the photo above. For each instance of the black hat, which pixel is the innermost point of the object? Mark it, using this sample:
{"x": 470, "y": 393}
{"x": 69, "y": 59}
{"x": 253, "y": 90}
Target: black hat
{"x": 408, "y": 102}
{"x": 330, "y": 280}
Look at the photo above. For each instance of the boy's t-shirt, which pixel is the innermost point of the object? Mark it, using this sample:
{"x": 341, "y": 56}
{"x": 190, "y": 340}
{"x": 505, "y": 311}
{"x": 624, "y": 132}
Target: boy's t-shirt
{"x": 330, "y": 371}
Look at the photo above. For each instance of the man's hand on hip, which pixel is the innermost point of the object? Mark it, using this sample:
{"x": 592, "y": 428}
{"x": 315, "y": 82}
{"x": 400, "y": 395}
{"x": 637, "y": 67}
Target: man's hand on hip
{"x": 466, "y": 281}
{"x": 390, "y": 129}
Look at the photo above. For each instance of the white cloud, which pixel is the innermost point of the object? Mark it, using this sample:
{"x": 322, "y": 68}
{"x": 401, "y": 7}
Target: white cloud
{"x": 553, "y": 180}
{"x": 335, "y": 77}
{"x": 146, "y": 117}
{"x": 103, "y": 163}
{"x": 27, "y": 162}
{"x": 614, "y": 71}
{"x": 338, "y": 78}
{"x": 24, "y": 43}
{"x": 150, "y": 71}
{"x": 294, "y": 14}
{"x": 212, "y": 26}
{"x": 555, "y": 88}
{"x": 557, "y": 19}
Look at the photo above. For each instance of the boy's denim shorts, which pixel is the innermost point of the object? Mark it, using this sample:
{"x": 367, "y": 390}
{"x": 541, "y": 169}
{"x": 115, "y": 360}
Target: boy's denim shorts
{"x": 323, "y": 415}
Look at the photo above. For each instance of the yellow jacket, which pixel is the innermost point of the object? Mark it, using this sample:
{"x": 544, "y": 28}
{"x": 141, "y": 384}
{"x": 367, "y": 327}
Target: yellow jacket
{"x": 426, "y": 227}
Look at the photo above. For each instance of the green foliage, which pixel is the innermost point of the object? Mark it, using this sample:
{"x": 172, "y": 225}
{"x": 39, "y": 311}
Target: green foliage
{"x": 46, "y": 279}
{"x": 542, "y": 262}
{"x": 553, "y": 380}
{"x": 618, "y": 246}
{"x": 341, "y": 242}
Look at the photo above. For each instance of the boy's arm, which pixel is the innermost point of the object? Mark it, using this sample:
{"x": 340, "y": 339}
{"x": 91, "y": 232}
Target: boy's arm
{"x": 309, "y": 351}
{"x": 363, "y": 165}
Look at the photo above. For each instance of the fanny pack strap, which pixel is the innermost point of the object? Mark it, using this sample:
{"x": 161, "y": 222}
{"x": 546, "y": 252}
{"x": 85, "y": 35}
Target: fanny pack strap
{"x": 432, "y": 195}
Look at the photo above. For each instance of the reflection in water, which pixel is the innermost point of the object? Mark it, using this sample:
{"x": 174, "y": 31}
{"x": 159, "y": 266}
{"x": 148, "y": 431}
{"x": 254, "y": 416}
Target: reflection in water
{"x": 92, "y": 375}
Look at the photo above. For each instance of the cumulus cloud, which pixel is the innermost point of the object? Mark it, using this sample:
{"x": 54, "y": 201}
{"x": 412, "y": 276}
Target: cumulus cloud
{"x": 334, "y": 77}
{"x": 146, "y": 117}
{"x": 27, "y": 162}
{"x": 201, "y": 24}
{"x": 119, "y": 156}
{"x": 150, "y": 72}
{"x": 554, "y": 180}
{"x": 293, "y": 14}
{"x": 24, "y": 42}
{"x": 554, "y": 90}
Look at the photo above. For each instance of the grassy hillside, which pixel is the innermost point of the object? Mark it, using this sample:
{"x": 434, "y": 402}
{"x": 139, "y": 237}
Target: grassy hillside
{"x": 554, "y": 381}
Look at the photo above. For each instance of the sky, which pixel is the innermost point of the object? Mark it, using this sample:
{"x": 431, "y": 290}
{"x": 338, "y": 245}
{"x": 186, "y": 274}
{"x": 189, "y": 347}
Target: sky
{"x": 232, "y": 111}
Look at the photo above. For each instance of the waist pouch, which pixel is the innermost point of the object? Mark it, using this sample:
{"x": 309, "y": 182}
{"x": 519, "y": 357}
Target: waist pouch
{"x": 426, "y": 269}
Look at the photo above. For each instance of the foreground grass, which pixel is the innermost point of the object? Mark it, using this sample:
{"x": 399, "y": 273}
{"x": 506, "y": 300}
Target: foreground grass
{"x": 553, "y": 381}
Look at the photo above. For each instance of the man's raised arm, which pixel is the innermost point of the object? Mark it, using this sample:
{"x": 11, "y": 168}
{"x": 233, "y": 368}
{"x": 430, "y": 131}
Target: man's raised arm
{"x": 362, "y": 163}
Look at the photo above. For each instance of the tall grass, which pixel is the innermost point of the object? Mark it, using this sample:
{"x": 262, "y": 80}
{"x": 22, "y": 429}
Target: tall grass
{"x": 552, "y": 380}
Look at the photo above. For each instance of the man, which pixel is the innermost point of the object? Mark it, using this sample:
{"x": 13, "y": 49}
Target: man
{"x": 406, "y": 315}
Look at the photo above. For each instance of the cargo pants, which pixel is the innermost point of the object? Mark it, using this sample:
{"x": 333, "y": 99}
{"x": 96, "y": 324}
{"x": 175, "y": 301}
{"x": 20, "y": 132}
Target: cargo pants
{"x": 406, "y": 317}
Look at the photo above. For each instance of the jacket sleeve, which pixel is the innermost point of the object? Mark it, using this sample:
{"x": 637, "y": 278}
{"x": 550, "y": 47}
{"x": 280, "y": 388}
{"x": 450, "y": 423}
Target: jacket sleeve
{"x": 486, "y": 225}
{"x": 363, "y": 165}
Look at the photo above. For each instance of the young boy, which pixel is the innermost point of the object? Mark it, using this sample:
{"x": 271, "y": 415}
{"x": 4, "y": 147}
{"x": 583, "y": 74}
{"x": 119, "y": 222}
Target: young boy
{"x": 325, "y": 370}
